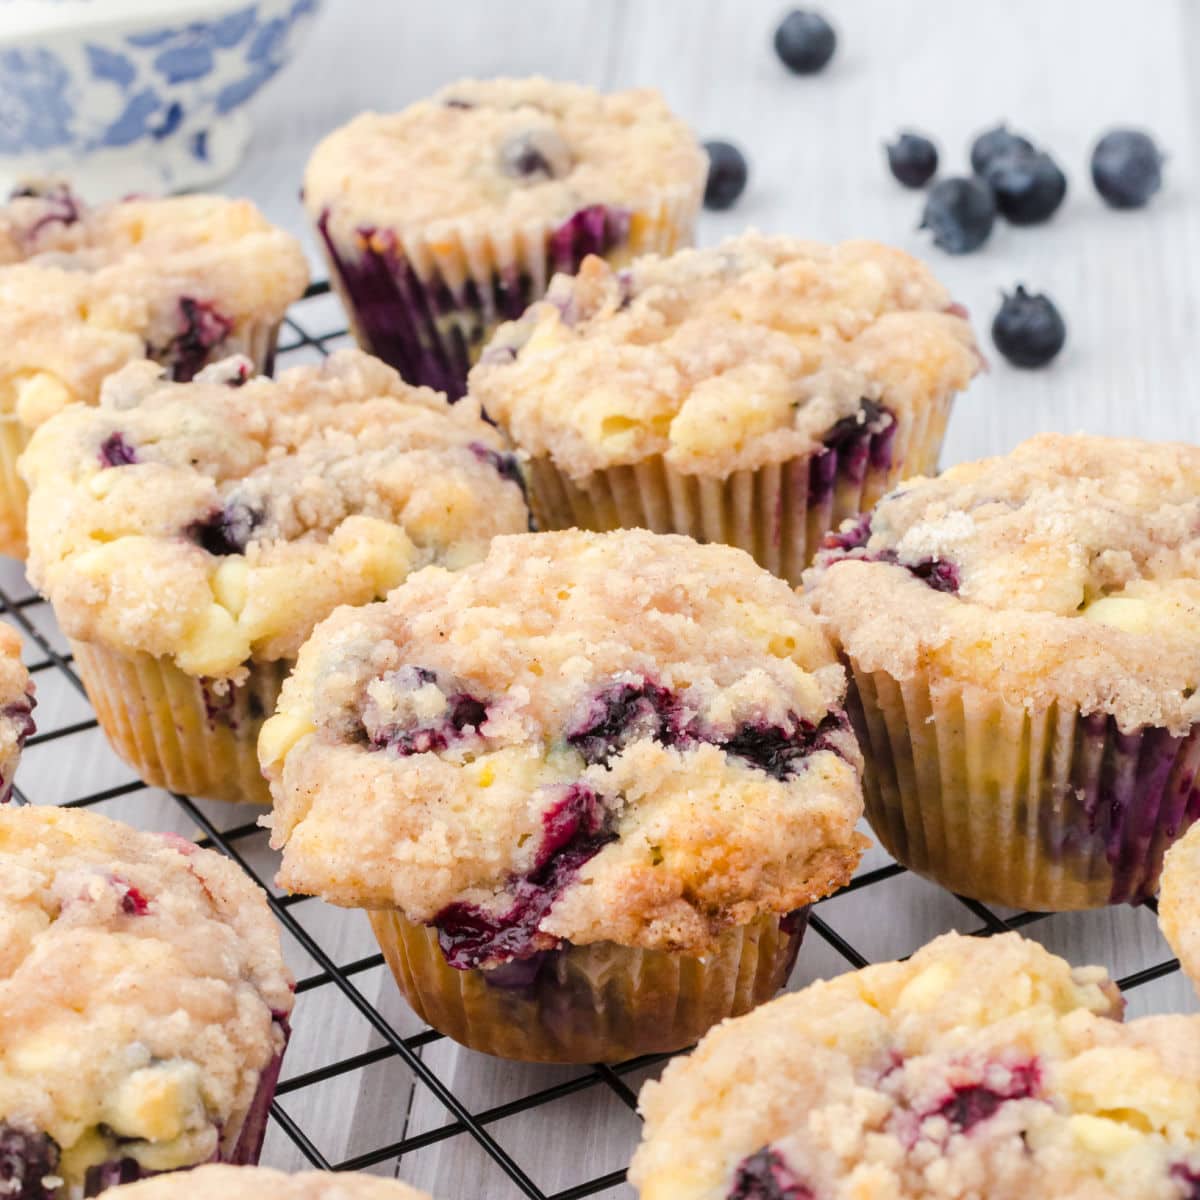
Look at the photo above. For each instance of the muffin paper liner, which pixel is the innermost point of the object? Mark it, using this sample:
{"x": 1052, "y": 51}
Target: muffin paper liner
{"x": 598, "y": 1003}
{"x": 427, "y": 305}
{"x": 1046, "y": 809}
{"x": 240, "y": 1145}
{"x": 179, "y": 731}
{"x": 255, "y": 339}
{"x": 779, "y": 513}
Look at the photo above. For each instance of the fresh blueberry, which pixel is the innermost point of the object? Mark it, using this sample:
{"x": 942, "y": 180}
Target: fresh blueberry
{"x": 1127, "y": 168}
{"x": 228, "y": 530}
{"x": 1028, "y": 330}
{"x": 115, "y": 451}
{"x": 765, "y": 1176}
{"x": 1028, "y": 187}
{"x": 805, "y": 41}
{"x": 913, "y": 159}
{"x": 960, "y": 213}
{"x": 27, "y": 1160}
{"x": 727, "y": 174}
{"x": 995, "y": 142}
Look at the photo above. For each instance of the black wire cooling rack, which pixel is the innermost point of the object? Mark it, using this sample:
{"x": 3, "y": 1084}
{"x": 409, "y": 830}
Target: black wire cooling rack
{"x": 422, "y": 1093}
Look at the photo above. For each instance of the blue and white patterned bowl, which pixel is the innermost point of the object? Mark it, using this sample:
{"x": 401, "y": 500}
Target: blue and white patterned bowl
{"x": 136, "y": 95}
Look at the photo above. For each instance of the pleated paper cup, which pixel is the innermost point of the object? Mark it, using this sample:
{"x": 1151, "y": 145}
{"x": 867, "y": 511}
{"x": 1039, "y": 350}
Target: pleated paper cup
{"x": 255, "y": 339}
{"x": 241, "y": 1137}
{"x": 778, "y": 513}
{"x": 178, "y": 731}
{"x": 427, "y": 304}
{"x": 1044, "y": 809}
{"x": 598, "y": 1003}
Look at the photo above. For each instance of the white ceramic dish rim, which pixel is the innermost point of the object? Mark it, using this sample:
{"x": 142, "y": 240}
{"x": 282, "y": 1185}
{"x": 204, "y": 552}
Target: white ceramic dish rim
{"x": 21, "y": 20}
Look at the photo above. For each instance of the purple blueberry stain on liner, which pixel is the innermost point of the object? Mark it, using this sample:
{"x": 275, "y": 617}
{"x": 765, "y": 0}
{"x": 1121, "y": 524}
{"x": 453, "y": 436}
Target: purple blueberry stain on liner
{"x": 115, "y": 451}
{"x": 575, "y": 830}
{"x": 27, "y": 1160}
{"x": 765, "y": 1175}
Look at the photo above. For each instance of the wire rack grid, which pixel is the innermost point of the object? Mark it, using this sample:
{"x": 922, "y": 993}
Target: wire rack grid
{"x": 366, "y": 1086}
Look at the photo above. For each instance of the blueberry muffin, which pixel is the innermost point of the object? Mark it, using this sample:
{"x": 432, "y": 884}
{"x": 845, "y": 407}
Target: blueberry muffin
{"x": 144, "y": 1003}
{"x": 261, "y": 1183}
{"x": 191, "y": 535}
{"x": 756, "y": 393}
{"x": 83, "y": 291}
{"x": 586, "y": 788}
{"x": 1179, "y": 901}
{"x": 17, "y": 703}
{"x": 978, "y": 1068}
{"x": 1023, "y": 635}
{"x": 443, "y": 220}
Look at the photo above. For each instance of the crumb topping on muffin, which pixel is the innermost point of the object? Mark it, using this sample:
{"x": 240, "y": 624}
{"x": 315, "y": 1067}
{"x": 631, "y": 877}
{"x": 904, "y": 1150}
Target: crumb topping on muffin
{"x": 142, "y": 995}
{"x": 979, "y": 1067}
{"x": 751, "y": 352}
{"x": 1068, "y": 570}
{"x": 262, "y": 1183}
{"x": 85, "y": 290}
{"x": 217, "y": 521}
{"x": 593, "y": 737}
{"x": 1179, "y": 901}
{"x": 17, "y": 703}
{"x": 497, "y": 153}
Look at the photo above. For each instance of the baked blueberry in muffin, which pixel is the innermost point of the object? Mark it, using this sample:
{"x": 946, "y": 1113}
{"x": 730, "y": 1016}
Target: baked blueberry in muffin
{"x": 83, "y": 291}
{"x": 580, "y": 786}
{"x": 17, "y": 702}
{"x": 1022, "y": 634}
{"x": 979, "y": 1067}
{"x": 756, "y": 393}
{"x": 144, "y": 1004}
{"x": 443, "y": 220}
{"x": 191, "y": 535}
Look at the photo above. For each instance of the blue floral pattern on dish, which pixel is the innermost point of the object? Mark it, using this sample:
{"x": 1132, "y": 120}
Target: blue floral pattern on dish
{"x": 34, "y": 111}
{"x": 114, "y": 89}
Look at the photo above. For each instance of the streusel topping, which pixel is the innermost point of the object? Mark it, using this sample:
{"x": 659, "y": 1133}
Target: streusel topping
{"x": 594, "y": 737}
{"x": 16, "y": 706}
{"x": 85, "y": 290}
{"x": 722, "y": 359}
{"x": 980, "y": 1067}
{"x": 1068, "y": 570}
{"x": 262, "y": 1183}
{"x": 1179, "y": 901}
{"x": 142, "y": 991}
{"x": 218, "y": 521}
{"x": 488, "y": 154}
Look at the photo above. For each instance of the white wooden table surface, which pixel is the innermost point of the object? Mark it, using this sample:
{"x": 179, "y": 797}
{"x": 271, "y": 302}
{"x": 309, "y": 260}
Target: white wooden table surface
{"x": 1128, "y": 285}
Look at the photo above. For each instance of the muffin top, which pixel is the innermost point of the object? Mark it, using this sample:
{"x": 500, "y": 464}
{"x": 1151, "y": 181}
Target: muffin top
{"x": 493, "y": 154}
{"x": 754, "y": 351}
{"x": 142, "y": 993}
{"x": 85, "y": 290}
{"x": 616, "y": 737}
{"x": 217, "y": 521}
{"x": 16, "y": 704}
{"x": 1068, "y": 570}
{"x": 977, "y": 1068}
{"x": 1179, "y": 901}
{"x": 262, "y": 1183}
